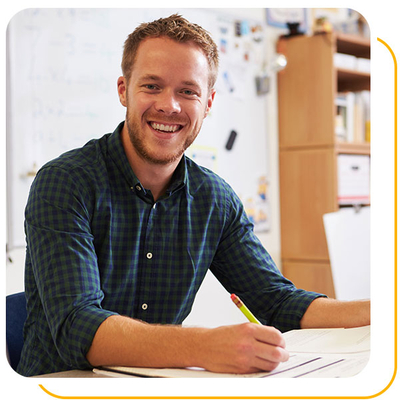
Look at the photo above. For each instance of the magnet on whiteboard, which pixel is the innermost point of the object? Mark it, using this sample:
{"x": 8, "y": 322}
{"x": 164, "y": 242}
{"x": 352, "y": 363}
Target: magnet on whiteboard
{"x": 231, "y": 140}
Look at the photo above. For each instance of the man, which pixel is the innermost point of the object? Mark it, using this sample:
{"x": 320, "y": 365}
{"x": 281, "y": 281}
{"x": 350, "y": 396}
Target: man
{"x": 121, "y": 233}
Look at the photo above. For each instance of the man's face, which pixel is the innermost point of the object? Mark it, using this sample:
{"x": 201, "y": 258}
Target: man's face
{"x": 167, "y": 98}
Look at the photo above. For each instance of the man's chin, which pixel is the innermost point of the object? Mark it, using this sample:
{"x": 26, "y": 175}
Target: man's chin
{"x": 161, "y": 159}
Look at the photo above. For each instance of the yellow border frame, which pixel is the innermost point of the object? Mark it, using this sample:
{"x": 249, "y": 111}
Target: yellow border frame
{"x": 297, "y": 397}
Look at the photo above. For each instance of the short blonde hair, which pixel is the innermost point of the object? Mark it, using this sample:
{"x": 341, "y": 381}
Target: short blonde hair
{"x": 177, "y": 28}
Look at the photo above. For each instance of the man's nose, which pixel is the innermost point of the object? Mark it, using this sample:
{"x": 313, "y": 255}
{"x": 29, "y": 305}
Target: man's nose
{"x": 168, "y": 103}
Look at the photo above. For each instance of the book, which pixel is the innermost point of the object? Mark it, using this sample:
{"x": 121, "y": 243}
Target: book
{"x": 352, "y": 119}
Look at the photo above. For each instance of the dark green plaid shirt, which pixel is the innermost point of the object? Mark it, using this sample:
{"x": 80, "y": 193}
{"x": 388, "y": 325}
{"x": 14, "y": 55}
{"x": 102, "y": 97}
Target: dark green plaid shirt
{"x": 98, "y": 245}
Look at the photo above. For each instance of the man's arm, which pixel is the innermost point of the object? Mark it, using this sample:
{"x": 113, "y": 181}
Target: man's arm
{"x": 330, "y": 313}
{"x": 243, "y": 348}
{"x": 240, "y": 348}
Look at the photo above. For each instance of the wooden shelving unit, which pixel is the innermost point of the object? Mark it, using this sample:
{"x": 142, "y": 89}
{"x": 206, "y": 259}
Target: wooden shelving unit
{"x": 309, "y": 149}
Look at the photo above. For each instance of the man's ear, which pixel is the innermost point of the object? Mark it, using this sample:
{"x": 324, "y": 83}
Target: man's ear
{"x": 209, "y": 102}
{"x": 122, "y": 87}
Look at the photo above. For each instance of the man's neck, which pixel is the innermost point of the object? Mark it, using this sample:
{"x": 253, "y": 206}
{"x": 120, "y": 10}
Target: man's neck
{"x": 154, "y": 177}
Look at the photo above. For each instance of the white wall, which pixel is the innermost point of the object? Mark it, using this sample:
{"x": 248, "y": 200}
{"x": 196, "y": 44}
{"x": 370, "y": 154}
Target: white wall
{"x": 15, "y": 271}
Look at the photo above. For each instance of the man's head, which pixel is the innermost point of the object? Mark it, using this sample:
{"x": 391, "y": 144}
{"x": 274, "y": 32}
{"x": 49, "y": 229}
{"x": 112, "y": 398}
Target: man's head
{"x": 167, "y": 87}
{"x": 178, "y": 29}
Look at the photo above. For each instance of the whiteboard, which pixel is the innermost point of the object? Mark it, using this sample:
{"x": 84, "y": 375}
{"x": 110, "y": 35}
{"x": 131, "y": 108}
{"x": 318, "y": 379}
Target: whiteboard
{"x": 348, "y": 237}
{"x": 63, "y": 65}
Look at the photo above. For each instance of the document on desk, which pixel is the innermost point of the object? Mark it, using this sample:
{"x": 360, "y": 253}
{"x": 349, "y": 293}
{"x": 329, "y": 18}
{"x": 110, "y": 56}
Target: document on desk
{"x": 324, "y": 353}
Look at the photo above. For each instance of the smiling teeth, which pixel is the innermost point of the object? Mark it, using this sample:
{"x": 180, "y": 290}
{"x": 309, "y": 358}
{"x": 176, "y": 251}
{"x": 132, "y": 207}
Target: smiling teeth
{"x": 165, "y": 128}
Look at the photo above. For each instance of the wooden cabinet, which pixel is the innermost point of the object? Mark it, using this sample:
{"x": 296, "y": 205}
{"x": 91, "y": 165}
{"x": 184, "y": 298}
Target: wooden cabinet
{"x": 309, "y": 148}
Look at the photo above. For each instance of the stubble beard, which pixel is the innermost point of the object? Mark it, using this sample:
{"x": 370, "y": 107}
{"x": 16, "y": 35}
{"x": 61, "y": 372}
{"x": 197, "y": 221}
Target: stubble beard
{"x": 138, "y": 143}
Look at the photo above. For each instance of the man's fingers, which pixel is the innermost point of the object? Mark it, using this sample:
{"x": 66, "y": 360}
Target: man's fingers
{"x": 271, "y": 353}
{"x": 269, "y": 335}
{"x": 245, "y": 348}
{"x": 268, "y": 349}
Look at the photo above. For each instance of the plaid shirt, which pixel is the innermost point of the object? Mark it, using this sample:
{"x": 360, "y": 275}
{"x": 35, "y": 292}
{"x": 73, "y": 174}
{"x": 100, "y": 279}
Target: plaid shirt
{"x": 98, "y": 245}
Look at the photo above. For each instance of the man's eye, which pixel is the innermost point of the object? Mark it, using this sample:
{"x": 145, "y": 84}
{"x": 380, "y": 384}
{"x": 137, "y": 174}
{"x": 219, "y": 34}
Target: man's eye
{"x": 188, "y": 92}
{"x": 150, "y": 87}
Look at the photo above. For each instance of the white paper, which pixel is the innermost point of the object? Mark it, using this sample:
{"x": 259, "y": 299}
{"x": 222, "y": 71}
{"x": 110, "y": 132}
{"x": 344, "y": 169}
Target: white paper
{"x": 331, "y": 341}
{"x": 348, "y": 238}
{"x": 302, "y": 365}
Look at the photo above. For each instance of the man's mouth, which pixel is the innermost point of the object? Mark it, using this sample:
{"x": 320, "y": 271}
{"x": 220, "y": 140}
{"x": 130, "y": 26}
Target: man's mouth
{"x": 170, "y": 128}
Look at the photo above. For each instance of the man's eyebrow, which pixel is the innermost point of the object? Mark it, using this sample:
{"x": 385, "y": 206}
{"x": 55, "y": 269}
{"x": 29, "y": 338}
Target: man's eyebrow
{"x": 149, "y": 77}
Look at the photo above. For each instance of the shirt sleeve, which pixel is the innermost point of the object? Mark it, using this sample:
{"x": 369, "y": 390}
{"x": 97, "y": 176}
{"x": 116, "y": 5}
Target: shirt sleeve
{"x": 244, "y": 267}
{"x": 64, "y": 263}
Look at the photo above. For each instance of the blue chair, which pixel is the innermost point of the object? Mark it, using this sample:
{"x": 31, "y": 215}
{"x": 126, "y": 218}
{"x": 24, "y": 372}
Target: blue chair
{"x": 15, "y": 319}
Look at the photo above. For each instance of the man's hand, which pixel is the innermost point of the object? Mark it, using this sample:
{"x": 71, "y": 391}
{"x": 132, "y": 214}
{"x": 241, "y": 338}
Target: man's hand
{"x": 243, "y": 348}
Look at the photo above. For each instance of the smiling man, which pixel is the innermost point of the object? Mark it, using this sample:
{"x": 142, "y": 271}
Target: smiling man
{"x": 167, "y": 97}
{"x": 121, "y": 233}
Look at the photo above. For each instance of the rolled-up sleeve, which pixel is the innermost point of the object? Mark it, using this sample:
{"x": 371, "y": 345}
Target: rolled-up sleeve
{"x": 60, "y": 249}
{"x": 244, "y": 267}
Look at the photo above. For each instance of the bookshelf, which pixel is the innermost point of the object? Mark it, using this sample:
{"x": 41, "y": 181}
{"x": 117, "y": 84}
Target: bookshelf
{"x": 310, "y": 148}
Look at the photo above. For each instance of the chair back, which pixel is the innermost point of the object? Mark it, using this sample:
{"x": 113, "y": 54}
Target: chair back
{"x": 15, "y": 320}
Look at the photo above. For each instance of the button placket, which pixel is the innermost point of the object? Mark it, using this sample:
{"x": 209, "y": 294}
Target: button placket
{"x": 149, "y": 256}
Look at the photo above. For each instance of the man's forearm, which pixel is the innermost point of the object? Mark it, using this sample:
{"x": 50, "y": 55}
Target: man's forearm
{"x": 330, "y": 313}
{"x": 127, "y": 342}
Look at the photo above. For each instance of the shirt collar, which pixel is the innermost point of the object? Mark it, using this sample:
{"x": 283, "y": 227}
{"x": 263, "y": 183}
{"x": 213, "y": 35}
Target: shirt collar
{"x": 179, "y": 178}
{"x": 117, "y": 153}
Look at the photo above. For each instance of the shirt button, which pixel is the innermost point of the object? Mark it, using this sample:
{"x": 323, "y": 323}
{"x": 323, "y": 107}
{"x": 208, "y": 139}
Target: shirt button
{"x": 138, "y": 188}
{"x": 144, "y": 306}
{"x": 149, "y": 255}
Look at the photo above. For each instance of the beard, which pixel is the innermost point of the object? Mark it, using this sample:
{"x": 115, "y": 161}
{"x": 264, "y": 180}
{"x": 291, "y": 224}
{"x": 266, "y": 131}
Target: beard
{"x": 138, "y": 141}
